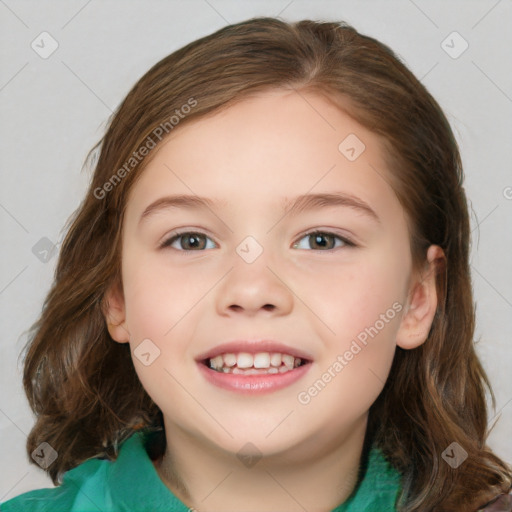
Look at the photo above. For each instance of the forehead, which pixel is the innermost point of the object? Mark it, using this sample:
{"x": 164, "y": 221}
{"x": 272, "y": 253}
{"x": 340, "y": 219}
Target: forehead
{"x": 266, "y": 149}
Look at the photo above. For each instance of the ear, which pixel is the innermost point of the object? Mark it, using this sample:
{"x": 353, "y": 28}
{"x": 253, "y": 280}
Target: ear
{"x": 115, "y": 314}
{"x": 422, "y": 303}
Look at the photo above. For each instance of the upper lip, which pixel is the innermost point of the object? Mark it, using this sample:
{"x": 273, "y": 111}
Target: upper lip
{"x": 253, "y": 347}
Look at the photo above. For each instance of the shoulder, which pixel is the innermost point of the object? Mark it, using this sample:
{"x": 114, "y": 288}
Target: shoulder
{"x": 82, "y": 488}
{"x": 130, "y": 482}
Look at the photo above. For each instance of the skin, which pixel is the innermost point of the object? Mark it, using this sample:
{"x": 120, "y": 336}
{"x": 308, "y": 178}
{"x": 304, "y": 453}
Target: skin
{"x": 276, "y": 145}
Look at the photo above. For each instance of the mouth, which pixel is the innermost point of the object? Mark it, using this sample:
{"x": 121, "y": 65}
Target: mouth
{"x": 254, "y": 367}
{"x": 260, "y": 363}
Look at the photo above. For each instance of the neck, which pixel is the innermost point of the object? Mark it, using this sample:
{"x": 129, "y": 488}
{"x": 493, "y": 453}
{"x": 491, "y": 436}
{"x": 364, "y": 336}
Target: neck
{"x": 315, "y": 476}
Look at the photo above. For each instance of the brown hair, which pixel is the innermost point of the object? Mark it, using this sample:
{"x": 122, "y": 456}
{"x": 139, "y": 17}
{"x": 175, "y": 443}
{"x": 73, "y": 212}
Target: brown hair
{"x": 434, "y": 394}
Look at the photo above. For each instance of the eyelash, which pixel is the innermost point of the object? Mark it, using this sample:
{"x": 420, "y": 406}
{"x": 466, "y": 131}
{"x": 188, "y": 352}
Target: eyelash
{"x": 176, "y": 236}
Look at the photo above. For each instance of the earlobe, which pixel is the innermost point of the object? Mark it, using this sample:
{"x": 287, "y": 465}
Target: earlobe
{"x": 115, "y": 314}
{"x": 419, "y": 314}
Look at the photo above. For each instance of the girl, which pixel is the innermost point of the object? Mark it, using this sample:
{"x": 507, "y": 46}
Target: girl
{"x": 264, "y": 301}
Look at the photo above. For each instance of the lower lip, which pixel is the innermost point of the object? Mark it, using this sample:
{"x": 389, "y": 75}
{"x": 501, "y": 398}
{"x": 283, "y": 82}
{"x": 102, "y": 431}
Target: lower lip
{"x": 253, "y": 384}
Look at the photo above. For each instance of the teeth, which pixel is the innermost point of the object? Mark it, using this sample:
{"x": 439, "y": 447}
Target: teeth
{"x": 217, "y": 362}
{"x": 275, "y": 359}
{"x": 262, "y": 360}
{"x": 288, "y": 361}
{"x": 229, "y": 359}
{"x": 244, "y": 360}
{"x": 251, "y": 364}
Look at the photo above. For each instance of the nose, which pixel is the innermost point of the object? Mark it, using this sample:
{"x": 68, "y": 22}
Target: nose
{"x": 252, "y": 288}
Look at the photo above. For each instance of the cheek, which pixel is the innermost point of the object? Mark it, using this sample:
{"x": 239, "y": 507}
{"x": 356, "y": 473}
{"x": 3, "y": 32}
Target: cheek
{"x": 355, "y": 296}
{"x": 358, "y": 357}
{"x": 363, "y": 310}
{"x": 157, "y": 297}
{"x": 157, "y": 303}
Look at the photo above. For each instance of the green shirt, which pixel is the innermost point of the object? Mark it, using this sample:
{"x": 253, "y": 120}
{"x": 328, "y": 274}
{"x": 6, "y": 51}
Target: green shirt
{"x": 131, "y": 483}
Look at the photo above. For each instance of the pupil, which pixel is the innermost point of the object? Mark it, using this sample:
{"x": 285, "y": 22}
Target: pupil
{"x": 319, "y": 237}
{"x": 194, "y": 238}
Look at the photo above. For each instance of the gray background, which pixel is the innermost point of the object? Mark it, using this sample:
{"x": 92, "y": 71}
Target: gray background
{"x": 55, "y": 109}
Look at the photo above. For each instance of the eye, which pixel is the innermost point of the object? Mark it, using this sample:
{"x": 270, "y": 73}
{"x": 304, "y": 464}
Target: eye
{"x": 324, "y": 239}
{"x": 190, "y": 241}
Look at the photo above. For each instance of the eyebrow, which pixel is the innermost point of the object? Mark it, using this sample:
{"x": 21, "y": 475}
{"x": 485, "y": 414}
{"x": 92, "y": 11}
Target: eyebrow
{"x": 299, "y": 204}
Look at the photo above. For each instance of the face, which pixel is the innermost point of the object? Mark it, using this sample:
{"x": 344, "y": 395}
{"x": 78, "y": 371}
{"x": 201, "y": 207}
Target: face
{"x": 329, "y": 279}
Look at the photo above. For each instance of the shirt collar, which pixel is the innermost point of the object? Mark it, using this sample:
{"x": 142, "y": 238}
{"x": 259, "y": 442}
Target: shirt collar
{"x": 134, "y": 483}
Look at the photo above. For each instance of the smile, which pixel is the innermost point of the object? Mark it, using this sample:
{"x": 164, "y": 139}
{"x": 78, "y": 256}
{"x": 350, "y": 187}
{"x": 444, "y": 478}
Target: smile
{"x": 263, "y": 372}
{"x": 245, "y": 363}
